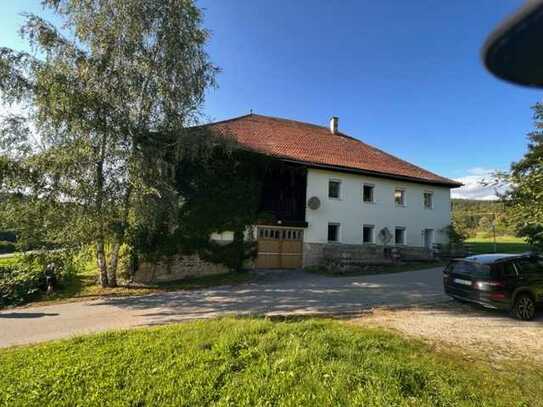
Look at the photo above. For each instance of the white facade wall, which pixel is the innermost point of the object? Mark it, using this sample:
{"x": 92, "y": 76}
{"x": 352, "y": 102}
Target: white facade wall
{"x": 352, "y": 213}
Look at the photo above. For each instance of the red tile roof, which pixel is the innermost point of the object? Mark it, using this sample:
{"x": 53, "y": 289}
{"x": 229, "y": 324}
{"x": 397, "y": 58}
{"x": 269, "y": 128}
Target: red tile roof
{"x": 316, "y": 146}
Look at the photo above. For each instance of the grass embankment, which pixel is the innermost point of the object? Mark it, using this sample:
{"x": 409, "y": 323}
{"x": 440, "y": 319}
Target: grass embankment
{"x": 256, "y": 362}
{"x": 504, "y": 244}
{"x": 84, "y": 283}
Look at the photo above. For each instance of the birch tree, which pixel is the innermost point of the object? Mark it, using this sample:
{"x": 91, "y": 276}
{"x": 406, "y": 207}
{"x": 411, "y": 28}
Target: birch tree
{"x": 103, "y": 103}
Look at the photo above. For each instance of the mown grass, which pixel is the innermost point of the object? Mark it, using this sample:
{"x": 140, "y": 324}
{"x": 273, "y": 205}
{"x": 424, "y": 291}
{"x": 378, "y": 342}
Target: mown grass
{"x": 504, "y": 244}
{"x": 248, "y": 362}
{"x": 84, "y": 283}
{"x": 8, "y": 260}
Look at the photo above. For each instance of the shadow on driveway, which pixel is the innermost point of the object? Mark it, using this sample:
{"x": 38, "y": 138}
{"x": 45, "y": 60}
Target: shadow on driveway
{"x": 288, "y": 292}
{"x": 27, "y": 314}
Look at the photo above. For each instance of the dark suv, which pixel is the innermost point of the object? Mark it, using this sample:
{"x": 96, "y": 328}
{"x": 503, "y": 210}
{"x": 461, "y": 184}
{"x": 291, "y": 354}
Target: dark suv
{"x": 501, "y": 281}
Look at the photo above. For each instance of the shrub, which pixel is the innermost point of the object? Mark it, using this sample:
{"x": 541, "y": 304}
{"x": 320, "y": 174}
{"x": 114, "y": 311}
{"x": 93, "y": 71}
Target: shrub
{"x": 20, "y": 282}
{"x": 25, "y": 280}
{"x": 533, "y": 232}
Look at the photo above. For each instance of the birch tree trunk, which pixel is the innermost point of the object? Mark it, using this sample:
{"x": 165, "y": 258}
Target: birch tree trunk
{"x": 101, "y": 260}
{"x": 114, "y": 261}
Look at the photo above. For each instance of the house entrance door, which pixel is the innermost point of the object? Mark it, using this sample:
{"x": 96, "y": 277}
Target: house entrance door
{"x": 428, "y": 238}
{"x": 279, "y": 247}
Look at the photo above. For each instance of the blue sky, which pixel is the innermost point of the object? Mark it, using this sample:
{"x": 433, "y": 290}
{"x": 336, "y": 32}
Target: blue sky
{"x": 404, "y": 76}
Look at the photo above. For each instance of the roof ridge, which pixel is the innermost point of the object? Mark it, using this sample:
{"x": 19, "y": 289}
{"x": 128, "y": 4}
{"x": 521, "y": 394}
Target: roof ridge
{"x": 354, "y": 139}
{"x": 423, "y": 173}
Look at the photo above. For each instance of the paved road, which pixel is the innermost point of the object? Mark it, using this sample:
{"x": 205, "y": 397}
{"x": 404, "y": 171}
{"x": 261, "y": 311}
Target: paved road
{"x": 273, "y": 292}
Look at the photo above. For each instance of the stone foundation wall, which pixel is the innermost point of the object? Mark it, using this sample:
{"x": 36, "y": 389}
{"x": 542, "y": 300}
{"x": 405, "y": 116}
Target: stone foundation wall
{"x": 176, "y": 268}
{"x": 315, "y": 253}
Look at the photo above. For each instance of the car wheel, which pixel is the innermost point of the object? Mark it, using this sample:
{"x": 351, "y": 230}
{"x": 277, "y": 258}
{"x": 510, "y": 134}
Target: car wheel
{"x": 524, "y": 307}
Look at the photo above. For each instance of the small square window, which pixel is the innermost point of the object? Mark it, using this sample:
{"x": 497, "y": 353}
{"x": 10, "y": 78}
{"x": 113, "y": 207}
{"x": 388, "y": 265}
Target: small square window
{"x": 367, "y": 233}
{"x": 399, "y": 235}
{"x": 367, "y": 193}
{"x": 333, "y": 232}
{"x": 428, "y": 201}
{"x": 334, "y": 189}
{"x": 399, "y": 197}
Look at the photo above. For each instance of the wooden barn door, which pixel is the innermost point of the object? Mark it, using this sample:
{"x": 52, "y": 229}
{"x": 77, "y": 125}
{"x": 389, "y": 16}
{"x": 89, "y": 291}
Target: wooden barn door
{"x": 279, "y": 248}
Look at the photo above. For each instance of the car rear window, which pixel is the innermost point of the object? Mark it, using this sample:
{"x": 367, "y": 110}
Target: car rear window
{"x": 530, "y": 265}
{"x": 504, "y": 269}
{"x": 469, "y": 268}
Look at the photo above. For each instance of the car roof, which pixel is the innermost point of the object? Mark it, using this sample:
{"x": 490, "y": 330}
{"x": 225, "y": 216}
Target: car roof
{"x": 495, "y": 257}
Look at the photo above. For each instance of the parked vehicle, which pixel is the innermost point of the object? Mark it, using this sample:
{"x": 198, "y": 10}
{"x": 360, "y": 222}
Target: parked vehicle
{"x": 501, "y": 281}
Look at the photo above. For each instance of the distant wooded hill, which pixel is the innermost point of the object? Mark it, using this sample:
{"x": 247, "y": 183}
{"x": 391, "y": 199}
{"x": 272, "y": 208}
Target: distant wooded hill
{"x": 473, "y": 217}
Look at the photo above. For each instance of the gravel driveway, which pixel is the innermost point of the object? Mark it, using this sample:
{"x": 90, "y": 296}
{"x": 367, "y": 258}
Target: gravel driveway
{"x": 469, "y": 329}
{"x": 277, "y": 292}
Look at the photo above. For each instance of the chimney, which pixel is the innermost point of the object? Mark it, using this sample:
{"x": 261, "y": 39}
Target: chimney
{"x": 333, "y": 124}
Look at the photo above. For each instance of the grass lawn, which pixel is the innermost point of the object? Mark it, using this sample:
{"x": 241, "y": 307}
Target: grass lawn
{"x": 8, "y": 259}
{"x": 504, "y": 244}
{"x": 84, "y": 284}
{"x": 252, "y": 362}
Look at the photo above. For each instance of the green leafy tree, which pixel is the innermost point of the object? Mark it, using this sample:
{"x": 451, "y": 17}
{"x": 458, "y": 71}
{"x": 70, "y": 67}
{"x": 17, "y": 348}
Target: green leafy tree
{"x": 103, "y": 106}
{"x": 525, "y": 197}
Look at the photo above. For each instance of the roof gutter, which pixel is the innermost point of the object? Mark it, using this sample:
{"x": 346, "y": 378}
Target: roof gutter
{"x": 372, "y": 173}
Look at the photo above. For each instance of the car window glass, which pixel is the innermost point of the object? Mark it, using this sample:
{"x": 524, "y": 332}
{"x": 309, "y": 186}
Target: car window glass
{"x": 529, "y": 266}
{"x": 505, "y": 270}
{"x": 471, "y": 269}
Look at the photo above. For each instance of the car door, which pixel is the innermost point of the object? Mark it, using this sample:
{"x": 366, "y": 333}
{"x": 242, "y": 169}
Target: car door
{"x": 530, "y": 271}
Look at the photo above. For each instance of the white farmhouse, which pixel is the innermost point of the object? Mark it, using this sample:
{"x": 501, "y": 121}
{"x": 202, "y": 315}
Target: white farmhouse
{"x": 332, "y": 195}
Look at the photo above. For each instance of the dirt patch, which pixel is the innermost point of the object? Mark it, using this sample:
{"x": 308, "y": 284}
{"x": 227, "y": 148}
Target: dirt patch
{"x": 469, "y": 329}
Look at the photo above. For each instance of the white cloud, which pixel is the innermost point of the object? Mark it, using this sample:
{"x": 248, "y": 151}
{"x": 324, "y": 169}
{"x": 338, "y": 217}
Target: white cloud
{"x": 478, "y": 185}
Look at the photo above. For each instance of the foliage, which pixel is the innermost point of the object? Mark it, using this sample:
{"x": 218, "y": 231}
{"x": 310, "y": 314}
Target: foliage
{"x": 525, "y": 197}
{"x": 504, "y": 244}
{"x": 454, "y": 235}
{"x": 103, "y": 116}
{"x": 472, "y": 217}
{"x": 220, "y": 192}
{"x": 251, "y": 362}
{"x": 20, "y": 282}
{"x": 24, "y": 280}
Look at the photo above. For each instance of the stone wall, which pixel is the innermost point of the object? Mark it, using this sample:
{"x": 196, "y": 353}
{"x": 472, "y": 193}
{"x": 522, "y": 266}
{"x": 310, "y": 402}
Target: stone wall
{"x": 176, "y": 268}
{"x": 316, "y": 253}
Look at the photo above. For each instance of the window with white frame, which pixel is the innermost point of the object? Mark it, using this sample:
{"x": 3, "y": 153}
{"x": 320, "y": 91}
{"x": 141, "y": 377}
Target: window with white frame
{"x": 334, "y": 188}
{"x": 399, "y": 235}
{"x": 399, "y": 197}
{"x": 428, "y": 200}
{"x": 367, "y": 234}
{"x": 367, "y": 193}
{"x": 333, "y": 232}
